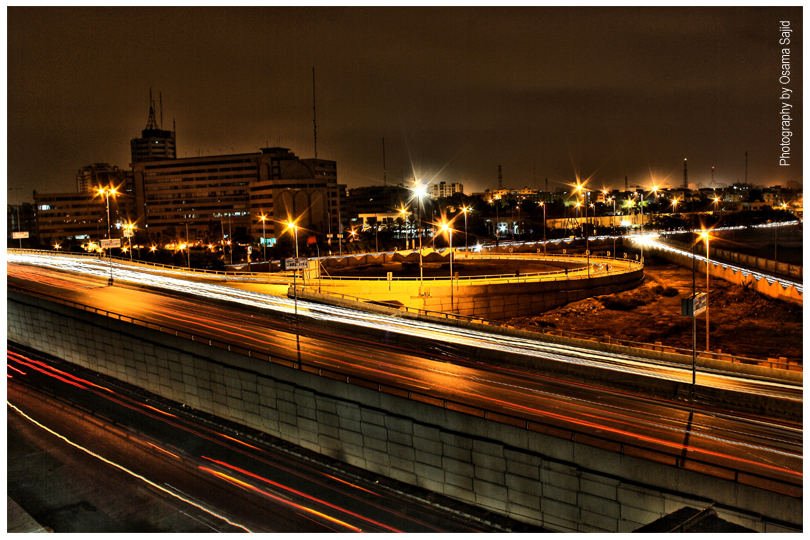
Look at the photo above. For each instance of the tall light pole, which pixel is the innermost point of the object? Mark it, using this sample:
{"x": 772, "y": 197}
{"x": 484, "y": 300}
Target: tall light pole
{"x": 419, "y": 192}
{"x": 705, "y": 235}
{"x": 107, "y": 192}
{"x": 543, "y": 204}
{"x": 404, "y": 213}
{"x": 294, "y": 227}
{"x": 448, "y": 229}
{"x": 466, "y": 243}
{"x": 264, "y": 240}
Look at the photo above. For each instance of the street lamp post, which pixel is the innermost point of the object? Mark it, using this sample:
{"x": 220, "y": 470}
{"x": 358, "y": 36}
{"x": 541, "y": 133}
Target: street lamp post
{"x": 466, "y": 243}
{"x": 449, "y": 230}
{"x": 404, "y": 215}
{"x": 705, "y": 235}
{"x": 264, "y": 240}
{"x": 419, "y": 192}
{"x": 543, "y": 204}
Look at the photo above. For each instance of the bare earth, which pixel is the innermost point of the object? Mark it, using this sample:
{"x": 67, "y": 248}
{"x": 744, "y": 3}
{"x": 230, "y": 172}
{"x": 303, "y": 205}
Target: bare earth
{"x": 742, "y": 322}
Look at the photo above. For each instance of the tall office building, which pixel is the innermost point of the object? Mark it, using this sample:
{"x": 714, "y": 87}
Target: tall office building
{"x": 92, "y": 177}
{"x": 154, "y": 142}
{"x": 227, "y": 195}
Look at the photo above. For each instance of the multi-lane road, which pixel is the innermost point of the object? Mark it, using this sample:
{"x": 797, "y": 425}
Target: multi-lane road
{"x": 440, "y": 365}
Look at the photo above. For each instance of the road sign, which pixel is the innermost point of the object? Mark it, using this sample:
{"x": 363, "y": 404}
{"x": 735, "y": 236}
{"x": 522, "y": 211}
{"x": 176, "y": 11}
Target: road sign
{"x": 295, "y": 264}
{"x": 112, "y": 243}
{"x": 129, "y": 233}
{"x": 329, "y": 235}
{"x": 19, "y": 234}
{"x": 694, "y": 305}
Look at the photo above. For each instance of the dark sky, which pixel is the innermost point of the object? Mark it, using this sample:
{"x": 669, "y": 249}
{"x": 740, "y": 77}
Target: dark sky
{"x": 455, "y": 92}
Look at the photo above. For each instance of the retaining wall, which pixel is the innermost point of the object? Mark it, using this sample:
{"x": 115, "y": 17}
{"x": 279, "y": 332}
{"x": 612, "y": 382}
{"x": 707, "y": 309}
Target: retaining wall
{"x": 534, "y": 477}
{"x": 719, "y": 270}
{"x": 490, "y": 298}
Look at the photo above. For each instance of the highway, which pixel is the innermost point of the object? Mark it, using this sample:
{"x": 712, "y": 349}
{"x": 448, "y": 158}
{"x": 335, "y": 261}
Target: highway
{"x": 176, "y": 471}
{"x": 755, "y": 445}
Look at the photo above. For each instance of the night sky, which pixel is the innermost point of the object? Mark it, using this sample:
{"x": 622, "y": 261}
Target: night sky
{"x": 544, "y": 92}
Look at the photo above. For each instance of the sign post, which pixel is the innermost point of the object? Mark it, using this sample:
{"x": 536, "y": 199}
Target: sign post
{"x": 295, "y": 265}
{"x": 692, "y": 307}
{"x": 20, "y": 235}
{"x": 115, "y": 242}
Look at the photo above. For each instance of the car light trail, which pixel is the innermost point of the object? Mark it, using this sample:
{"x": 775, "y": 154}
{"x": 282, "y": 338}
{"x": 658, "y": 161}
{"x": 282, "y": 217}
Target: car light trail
{"x": 124, "y": 469}
{"x": 563, "y": 353}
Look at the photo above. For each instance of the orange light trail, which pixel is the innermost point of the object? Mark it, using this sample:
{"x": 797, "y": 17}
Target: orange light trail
{"x": 300, "y": 494}
{"x": 279, "y": 499}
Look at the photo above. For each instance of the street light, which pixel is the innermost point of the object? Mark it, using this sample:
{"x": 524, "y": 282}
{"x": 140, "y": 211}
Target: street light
{"x": 404, "y": 213}
{"x": 294, "y": 227}
{"x": 466, "y": 243}
{"x": 419, "y": 192}
{"x": 543, "y": 204}
{"x": 264, "y": 241}
{"x": 129, "y": 227}
{"x": 449, "y": 230}
{"x": 705, "y": 235}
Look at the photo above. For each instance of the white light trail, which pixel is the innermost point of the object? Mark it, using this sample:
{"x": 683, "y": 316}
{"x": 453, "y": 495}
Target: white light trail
{"x": 454, "y": 335}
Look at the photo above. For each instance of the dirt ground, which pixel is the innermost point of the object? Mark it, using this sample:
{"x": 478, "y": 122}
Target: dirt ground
{"x": 742, "y": 322}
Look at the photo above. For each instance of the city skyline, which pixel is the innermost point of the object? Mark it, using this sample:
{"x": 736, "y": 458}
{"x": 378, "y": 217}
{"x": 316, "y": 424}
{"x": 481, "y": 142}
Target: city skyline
{"x": 556, "y": 93}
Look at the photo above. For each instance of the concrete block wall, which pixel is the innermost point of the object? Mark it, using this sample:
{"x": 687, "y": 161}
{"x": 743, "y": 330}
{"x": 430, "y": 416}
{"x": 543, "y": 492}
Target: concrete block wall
{"x": 716, "y": 269}
{"x": 532, "y": 477}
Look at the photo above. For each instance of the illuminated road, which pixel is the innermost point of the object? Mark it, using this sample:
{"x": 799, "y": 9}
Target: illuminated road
{"x": 440, "y": 368}
{"x": 203, "y": 477}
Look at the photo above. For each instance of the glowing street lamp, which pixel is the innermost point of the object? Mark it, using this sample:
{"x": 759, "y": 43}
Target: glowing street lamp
{"x": 264, "y": 241}
{"x": 419, "y": 191}
{"x": 404, "y": 213}
{"x": 294, "y": 227}
{"x": 705, "y": 235}
{"x": 129, "y": 227}
{"x": 57, "y": 246}
{"x": 465, "y": 209}
{"x": 543, "y": 204}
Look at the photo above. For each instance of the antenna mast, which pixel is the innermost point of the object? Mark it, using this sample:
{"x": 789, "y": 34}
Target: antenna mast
{"x": 314, "y": 124}
{"x": 151, "y": 124}
{"x": 161, "y": 109}
{"x": 385, "y": 182}
{"x": 500, "y": 179}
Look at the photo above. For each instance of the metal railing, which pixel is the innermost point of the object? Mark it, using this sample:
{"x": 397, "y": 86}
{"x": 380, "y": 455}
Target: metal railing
{"x": 663, "y": 454}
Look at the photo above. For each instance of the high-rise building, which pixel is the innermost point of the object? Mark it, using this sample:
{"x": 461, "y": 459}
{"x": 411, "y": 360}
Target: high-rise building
{"x": 227, "y": 195}
{"x": 443, "y": 189}
{"x": 154, "y": 142}
{"x": 91, "y": 177}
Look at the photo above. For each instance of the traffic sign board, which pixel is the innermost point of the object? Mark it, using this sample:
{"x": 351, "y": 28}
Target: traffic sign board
{"x": 112, "y": 243}
{"x": 295, "y": 264}
{"x": 19, "y": 234}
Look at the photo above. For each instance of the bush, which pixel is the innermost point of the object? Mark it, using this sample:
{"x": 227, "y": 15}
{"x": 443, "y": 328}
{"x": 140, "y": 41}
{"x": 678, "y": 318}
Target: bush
{"x": 670, "y": 291}
{"x": 620, "y": 304}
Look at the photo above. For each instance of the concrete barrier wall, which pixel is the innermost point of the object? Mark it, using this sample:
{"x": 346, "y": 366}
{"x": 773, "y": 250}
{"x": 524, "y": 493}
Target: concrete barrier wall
{"x": 534, "y": 477}
{"x": 487, "y": 298}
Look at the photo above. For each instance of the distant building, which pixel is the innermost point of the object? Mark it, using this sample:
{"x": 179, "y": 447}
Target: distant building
{"x": 22, "y": 218}
{"x": 443, "y": 189}
{"x": 228, "y": 194}
{"x": 154, "y": 142}
{"x": 91, "y": 177}
{"x": 371, "y": 200}
{"x": 79, "y": 216}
